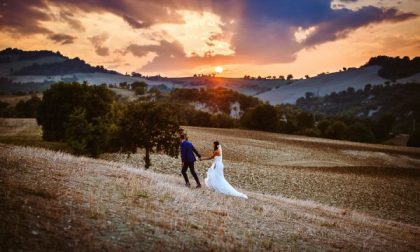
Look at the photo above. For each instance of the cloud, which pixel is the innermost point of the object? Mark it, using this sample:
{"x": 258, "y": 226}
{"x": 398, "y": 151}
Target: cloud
{"x": 347, "y": 21}
{"x": 23, "y": 17}
{"x": 171, "y": 56}
{"x": 98, "y": 42}
{"x": 62, "y": 38}
{"x": 67, "y": 16}
{"x": 266, "y": 32}
{"x": 134, "y": 23}
{"x": 263, "y": 32}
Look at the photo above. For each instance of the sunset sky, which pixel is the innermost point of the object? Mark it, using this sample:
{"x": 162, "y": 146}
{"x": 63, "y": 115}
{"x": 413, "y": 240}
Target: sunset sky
{"x": 183, "y": 37}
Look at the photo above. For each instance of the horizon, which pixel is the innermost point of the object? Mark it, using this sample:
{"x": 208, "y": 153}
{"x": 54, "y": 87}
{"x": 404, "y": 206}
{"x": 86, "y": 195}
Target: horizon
{"x": 249, "y": 38}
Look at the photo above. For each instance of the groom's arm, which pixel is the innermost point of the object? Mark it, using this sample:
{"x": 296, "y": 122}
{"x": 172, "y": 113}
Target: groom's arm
{"x": 183, "y": 154}
{"x": 196, "y": 152}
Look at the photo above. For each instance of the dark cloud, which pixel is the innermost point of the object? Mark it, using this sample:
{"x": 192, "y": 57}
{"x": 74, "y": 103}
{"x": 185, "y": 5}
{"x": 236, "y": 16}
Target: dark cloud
{"x": 62, "y": 38}
{"x": 69, "y": 17}
{"x": 23, "y": 17}
{"x": 134, "y": 23}
{"x": 351, "y": 20}
{"x": 265, "y": 33}
{"x": 263, "y": 30}
{"x": 98, "y": 42}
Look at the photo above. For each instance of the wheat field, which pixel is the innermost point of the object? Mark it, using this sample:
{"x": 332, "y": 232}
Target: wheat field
{"x": 380, "y": 180}
{"x": 305, "y": 194}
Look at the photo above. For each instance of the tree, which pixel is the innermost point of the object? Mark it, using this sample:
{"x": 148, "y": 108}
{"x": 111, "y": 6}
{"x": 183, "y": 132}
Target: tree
{"x": 289, "y": 77}
{"x": 6, "y": 110}
{"x": 304, "y": 120}
{"x": 62, "y": 99}
{"x": 138, "y": 84}
{"x": 29, "y": 108}
{"x": 359, "y": 132}
{"x": 150, "y": 126}
{"x": 337, "y": 130}
{"x": 139, "y": 90}
{"x": 383, "y": 126}
{"x": 323, "y": 126}
{"x": 414, "y": 140}
{"x": 84, "y": 137}
{"x": 262, "y": 117}
{"x": 78, "y": 131}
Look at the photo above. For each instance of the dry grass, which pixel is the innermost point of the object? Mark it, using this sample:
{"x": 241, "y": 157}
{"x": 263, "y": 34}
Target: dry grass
{"x": 55, "y": 201}
{"x": 379, "y": 180}
{"x": 26, "y": 132}
{"x": 305, "y": 194}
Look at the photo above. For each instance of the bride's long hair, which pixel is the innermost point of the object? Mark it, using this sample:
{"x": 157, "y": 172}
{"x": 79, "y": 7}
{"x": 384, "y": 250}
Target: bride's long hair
{"x": 216, "y": 145}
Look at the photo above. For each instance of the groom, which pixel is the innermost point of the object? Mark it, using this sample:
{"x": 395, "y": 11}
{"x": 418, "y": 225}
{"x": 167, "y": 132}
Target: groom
{"x": 188, "y": 159}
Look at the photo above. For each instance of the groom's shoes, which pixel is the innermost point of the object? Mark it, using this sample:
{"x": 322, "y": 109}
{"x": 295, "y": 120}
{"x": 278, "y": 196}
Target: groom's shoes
{"x": 198, "y": 186}
{"x": 188, "y": 185}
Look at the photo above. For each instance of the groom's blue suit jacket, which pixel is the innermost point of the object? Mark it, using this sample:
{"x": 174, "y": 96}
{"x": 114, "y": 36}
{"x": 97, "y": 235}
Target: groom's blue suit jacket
{"x": 187, "y": 152}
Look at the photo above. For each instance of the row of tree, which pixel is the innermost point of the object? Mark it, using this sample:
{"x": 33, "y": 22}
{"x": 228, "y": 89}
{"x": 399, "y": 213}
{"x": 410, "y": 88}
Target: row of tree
{"x": 23, "y": 109}
{"x": 270, "y": 77}
{"x": 91, "y": 120}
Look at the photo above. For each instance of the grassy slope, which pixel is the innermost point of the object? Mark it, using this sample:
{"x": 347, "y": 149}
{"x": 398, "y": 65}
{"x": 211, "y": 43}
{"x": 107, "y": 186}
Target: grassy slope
{"x": 59, "y": 201}
{"x": 380, "y": 180}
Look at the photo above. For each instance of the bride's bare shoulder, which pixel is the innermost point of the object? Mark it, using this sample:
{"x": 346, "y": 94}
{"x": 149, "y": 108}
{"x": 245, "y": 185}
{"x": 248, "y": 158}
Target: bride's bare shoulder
{"x": 216, "y": 153}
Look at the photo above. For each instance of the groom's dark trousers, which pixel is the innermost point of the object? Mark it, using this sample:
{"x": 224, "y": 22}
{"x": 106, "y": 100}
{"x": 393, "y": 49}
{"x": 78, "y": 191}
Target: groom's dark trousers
{"x": 185, "y": 167}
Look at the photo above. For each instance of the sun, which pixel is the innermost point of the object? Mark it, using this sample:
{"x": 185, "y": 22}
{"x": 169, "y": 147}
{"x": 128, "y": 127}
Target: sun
{"x": 218, "y": 69}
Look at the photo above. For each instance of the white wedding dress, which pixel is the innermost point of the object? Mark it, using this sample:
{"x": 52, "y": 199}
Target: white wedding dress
{"x": 216, "y": 180}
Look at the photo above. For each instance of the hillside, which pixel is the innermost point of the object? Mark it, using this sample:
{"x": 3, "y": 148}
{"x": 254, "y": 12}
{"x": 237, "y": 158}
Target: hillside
{"x": 19, "y": 62}
{"x": 325, "y": 84}
{"x": 305, "y": 194}
{"x": 54, "y": 200}
{"x": 45, "y": 67}
{"x": 42, "y": 68}
{"x": 401, "y": 101}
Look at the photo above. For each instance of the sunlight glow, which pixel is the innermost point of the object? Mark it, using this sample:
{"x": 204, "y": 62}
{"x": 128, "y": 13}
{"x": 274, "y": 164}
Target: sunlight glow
{"x": 218, "y": 69}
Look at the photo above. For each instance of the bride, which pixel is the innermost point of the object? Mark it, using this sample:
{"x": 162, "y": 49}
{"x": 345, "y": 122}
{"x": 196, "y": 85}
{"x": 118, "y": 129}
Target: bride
{"x": 215, "y": 178}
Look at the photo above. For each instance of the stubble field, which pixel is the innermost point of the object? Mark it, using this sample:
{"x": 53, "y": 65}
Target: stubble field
{"x": 383, "y": 181}
{"x": 305, "y": 194}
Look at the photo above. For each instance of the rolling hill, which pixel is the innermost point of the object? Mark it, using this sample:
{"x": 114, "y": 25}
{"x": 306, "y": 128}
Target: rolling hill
{"x": 47, "y": 67}
{"x": 324, "y": 84}
{"x": 304, "y": 194}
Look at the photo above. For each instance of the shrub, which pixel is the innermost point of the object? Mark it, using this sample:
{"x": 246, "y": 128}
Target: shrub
{"x": 29, "y": 108}
{"x": 262, "y": 117}
{"x": 337, "y": 130}
{"x": 414, "y": 140}
{"x": 304, "y": 120}
{"x": 360, "y": 133}
{"x": 383, "y": 126}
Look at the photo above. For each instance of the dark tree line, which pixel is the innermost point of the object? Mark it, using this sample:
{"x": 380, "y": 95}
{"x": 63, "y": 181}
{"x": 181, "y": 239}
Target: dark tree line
{"x": 394, "y": 68}
{"x": 91, "y": 121}
{"x": 399, "y": 101}
{"x": 69, "y": 66}
{"x": 23, "y": 109}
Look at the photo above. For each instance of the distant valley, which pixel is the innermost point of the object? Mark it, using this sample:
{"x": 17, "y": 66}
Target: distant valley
{"x": 36, "y": 70}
